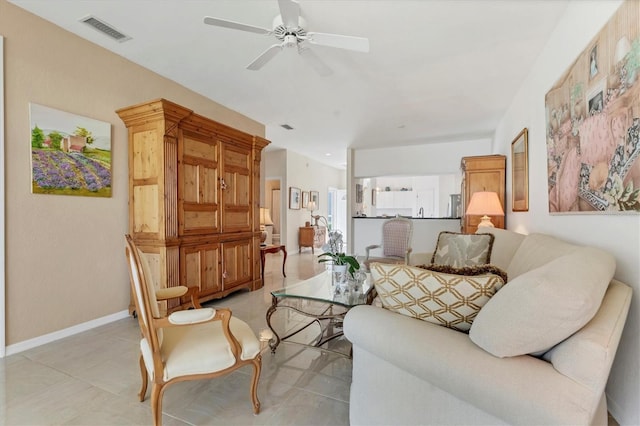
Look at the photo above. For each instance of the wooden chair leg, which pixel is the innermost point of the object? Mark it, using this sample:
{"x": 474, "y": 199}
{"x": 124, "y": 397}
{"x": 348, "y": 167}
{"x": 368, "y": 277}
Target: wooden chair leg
{"x": 257, "y": 367}
{"x": 156, "y": 403}
{"x": 145, "y": 379}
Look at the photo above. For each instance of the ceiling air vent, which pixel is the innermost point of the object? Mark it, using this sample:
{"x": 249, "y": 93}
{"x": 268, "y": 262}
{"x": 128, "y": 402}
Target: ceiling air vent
{"x": 105, "y": 28}
{"x": 286, "y": 126}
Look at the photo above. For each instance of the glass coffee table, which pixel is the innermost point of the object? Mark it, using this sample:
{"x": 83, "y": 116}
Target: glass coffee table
{"x": 311, "y": 312}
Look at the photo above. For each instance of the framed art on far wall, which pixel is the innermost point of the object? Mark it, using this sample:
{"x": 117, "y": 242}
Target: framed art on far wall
{"x": 294, "y": 198}
{"x": 305, "y": 199}
{"x": 520, "y": 172}
{"x": 315, "y": 196}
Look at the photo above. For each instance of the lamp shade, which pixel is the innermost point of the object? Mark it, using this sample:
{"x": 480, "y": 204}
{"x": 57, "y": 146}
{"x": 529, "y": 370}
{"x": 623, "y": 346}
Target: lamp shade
{"x": 265, "y": 217}
{"x": 311, "y": 206}
{"x": 485, "y": 203}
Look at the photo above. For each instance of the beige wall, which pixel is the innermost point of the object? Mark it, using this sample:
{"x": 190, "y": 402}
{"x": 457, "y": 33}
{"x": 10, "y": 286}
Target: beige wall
{"x": 65, "y": 254}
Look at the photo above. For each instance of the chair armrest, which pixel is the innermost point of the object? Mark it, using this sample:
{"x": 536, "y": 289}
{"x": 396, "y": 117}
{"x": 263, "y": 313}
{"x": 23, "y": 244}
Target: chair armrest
{"x": 371, "y": 247}
{"x": 192, "y": 316}
{"x": 407, "y": 255}
{"x": 171, "y": 292}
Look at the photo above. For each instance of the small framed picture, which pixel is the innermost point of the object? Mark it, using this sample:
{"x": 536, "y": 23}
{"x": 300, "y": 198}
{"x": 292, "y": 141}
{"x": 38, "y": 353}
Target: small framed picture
{"x": 294, "y": 198}
{"x": 305, "y": 199}
{"x": 315, "y": 196}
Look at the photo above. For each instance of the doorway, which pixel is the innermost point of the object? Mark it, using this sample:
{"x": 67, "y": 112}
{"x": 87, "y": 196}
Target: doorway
{"x": 273, "y": 202}
{"x": 337, "y": 210}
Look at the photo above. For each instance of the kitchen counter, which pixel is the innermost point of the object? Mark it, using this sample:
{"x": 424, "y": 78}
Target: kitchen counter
{"x": 368, "y": 231}
{"x": 407, "y": 217}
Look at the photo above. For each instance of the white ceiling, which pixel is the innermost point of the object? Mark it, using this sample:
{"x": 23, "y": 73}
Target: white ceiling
{"x": 438, "y": 70}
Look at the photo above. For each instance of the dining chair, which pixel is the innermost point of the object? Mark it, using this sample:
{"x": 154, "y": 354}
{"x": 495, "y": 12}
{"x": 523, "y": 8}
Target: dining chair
{"x": 396, "y": 242}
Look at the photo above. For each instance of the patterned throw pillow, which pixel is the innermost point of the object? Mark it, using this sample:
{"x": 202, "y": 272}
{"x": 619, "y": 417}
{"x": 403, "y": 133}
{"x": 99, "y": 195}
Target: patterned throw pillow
{"x": 463, "y": 249}
{"x": 444, "y": 299}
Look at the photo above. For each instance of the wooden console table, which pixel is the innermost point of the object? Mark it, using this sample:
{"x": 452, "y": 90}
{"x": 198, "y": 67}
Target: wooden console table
{"x": 272, "y": 249}
{"x": 312, "y": 236}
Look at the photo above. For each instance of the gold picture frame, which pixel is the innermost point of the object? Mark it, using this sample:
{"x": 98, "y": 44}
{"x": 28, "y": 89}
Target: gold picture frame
{"x": 520, "y": 172}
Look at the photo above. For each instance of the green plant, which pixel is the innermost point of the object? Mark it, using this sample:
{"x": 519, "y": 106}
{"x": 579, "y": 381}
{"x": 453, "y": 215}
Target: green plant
{"x": 334, "y": 253}
{"x": 341, "y": 259}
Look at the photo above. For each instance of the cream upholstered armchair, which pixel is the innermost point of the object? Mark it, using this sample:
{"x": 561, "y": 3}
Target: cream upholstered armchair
{"x": 187, "y": 345}
{"x": 396, "y": 242}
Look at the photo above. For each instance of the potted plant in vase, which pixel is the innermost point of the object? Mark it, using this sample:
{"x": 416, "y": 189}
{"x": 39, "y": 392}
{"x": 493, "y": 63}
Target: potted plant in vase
{"x": 333, "y": 252}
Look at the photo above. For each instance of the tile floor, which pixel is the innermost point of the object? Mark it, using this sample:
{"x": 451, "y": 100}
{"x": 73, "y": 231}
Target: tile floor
{"x": 93, "y": 379}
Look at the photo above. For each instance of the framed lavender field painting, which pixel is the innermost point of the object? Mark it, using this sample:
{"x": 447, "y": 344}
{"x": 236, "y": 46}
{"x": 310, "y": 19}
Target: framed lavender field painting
{"x": 70, "y": 154}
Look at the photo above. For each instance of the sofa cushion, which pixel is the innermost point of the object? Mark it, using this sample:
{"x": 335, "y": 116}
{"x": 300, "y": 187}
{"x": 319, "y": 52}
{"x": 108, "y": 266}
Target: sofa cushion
{"x": 537, "y": 250}
{"x": 544, "y": 306}
{"x": 462, "y": 249}
{"x": 466, "y": 270}
{"x": 444, "y": 299}
{"x": 505, "y": 244}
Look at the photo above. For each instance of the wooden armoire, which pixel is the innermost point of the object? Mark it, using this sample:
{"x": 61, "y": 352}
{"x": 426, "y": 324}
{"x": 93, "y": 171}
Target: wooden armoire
{"x": 194, "y": 193}
{"x": 482, "y": 173}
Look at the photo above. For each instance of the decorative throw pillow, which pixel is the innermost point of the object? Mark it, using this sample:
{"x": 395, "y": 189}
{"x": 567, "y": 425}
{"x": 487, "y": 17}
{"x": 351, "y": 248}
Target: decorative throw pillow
{"x": 444, "y": 299}
{"x": 545, "y": 305}
{"x": 462, "y": 249}
{"x": 467, "y": 270}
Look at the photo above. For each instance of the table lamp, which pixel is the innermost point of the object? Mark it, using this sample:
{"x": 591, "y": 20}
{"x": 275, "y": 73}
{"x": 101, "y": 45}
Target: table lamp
{"x": 265, "y": 219}
{"x": 311, "y": 206}
{"x": 485, "y": 204}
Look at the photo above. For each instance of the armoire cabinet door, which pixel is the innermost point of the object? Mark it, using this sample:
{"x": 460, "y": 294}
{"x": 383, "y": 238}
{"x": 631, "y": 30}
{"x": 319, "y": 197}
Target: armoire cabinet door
{"x": 236, "y": 267}
{"x": 483, "y": 173}
{"x": 198, "y": 185}
{"x": 200, "y": 266}
{"x": 236, "y": 188}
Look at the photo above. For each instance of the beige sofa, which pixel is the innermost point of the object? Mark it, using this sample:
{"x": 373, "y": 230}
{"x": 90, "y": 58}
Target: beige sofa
{"x": 407, "y": 371}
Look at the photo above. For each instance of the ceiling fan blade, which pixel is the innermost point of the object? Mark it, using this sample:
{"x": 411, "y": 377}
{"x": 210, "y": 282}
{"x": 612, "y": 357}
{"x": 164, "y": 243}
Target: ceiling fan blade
{"x": 359, "y": 44}
{"x": 235, "y": 25}
{"x": 264, "y": 57}
{"x": 315, "y": 61}
{"x": 290, "y": 12}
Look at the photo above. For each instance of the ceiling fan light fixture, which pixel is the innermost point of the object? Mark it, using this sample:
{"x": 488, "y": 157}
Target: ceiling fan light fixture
{"x": 289, "y": 31}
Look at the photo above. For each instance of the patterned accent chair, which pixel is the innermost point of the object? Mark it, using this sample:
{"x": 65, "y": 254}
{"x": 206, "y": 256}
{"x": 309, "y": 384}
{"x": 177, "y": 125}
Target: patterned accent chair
{"x": 396, "y": 242}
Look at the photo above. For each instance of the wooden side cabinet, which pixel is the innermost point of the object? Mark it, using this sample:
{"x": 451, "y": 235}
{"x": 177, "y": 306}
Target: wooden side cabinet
{"x": 482, "y": 173}
{"x": 312, "y": 236}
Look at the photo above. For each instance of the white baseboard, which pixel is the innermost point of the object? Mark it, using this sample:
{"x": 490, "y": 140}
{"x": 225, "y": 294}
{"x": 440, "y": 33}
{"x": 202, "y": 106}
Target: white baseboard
{"x": 61, "y": 334}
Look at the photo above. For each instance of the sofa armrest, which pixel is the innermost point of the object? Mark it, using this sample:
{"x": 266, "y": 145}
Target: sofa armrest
{"x": 511, "y": 389}
{"x": 587, "y": 355}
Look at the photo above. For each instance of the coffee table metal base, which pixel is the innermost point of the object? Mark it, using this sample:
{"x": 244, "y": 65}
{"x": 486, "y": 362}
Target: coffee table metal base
{"x": 329, "y": 319}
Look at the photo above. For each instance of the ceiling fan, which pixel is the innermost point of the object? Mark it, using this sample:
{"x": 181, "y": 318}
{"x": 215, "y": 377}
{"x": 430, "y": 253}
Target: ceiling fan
{"x": 288, "y": 29}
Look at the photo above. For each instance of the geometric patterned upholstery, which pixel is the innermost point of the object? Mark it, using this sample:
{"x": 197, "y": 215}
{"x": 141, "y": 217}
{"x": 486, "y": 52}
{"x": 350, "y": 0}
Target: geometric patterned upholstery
{"x": 444, "y": 299}
{"x": 396, "y": 234}
{"x": 459, "y": 250}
